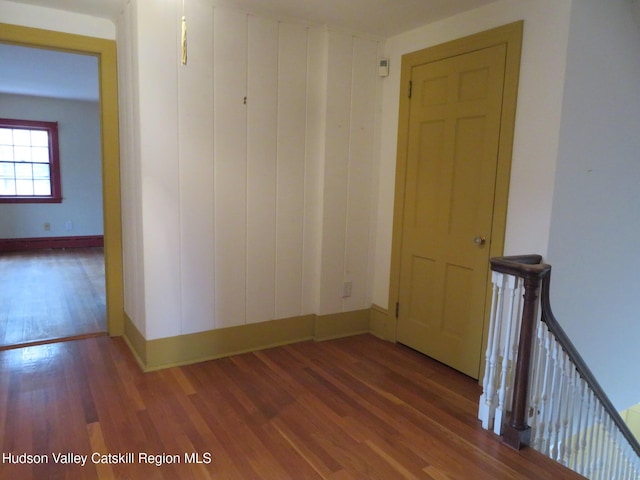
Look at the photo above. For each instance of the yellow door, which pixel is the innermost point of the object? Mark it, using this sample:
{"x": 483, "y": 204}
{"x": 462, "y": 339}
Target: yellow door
{"x": 452, "y": 157}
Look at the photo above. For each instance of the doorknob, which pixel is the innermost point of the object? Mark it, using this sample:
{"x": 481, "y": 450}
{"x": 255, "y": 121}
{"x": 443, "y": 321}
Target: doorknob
{"x": 479, "y": 240}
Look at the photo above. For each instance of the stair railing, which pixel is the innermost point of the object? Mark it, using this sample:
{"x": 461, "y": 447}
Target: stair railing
{"x": 537, "y": 389}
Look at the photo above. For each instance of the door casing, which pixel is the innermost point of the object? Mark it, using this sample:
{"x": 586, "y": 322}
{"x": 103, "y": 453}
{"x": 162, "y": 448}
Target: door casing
{"x": 105, "y": 51}
{"x": 511, "y": 35}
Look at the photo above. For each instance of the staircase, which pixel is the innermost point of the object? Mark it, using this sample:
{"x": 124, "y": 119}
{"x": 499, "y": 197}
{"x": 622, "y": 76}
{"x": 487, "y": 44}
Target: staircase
{"x": 537, "y": 389}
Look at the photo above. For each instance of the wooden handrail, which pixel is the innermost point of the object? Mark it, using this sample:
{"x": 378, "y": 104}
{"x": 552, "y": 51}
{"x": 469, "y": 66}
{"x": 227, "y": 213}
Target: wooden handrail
{"x": 537, "y": 281}
{"x": 524, "y": 266}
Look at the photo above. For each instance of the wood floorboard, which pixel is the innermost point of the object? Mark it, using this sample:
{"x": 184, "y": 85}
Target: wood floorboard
{"x": 354, "y": 408}
{"x": 47, "y": 295}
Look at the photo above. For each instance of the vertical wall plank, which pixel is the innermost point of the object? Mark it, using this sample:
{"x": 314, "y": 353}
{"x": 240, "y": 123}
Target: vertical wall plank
{"x": 230, "y": 165}
{"x": 335, "y": 195}
{"x": 261, "y": 167}
{"x": 195, "y": 110}
{"x": 292, "y": 92}
{"x": 361, "y": 156}
{"x": 130, "y": 171}
{"x": 316, "y": 114}
{"x": 157, "y": 74}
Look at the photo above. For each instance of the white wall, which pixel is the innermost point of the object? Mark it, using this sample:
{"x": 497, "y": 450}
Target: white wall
{"x": 537, "y": 121}
{"x": 246, "y": 211}
{"x": 80, "y": 167}
{"x": 595, "y": 229}
{"x": 130, "y": 176}
{"x": 57, "y": 20}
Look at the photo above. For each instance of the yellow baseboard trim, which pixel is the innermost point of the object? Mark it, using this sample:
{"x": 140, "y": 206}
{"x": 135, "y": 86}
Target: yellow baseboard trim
{"x": 382, "y": 323}
{"x": 202, "y": 346}
{"x": 135, "y": 341}
{"x": 337, "y": 325}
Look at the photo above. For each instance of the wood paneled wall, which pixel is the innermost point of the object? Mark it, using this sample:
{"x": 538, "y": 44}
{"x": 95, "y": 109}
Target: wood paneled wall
{"x": 249, "y": 171}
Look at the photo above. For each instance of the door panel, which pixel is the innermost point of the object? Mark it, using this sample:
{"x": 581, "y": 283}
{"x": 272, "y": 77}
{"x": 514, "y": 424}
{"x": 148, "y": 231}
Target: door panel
{"x": 452, "y": 154}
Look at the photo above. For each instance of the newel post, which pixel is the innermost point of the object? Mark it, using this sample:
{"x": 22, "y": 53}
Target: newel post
{"x": 517, "y": 432}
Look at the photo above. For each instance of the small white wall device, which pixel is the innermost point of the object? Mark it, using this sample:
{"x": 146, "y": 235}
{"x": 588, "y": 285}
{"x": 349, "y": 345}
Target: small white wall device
{"x": 383, "y": 67}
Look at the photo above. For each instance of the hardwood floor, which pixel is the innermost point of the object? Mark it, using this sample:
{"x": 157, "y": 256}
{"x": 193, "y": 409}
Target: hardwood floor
{"x": 353, "y": 408}
{"x": 51, "y": 294}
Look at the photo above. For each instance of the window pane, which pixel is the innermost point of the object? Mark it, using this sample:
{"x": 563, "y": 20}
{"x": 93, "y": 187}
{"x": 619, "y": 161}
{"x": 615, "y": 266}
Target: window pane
{"x": 24, "y": 187}
{"x": 39, "y": 138}
{"x": 21, "y": 137}
{"x": 6, "y": 136}
{"x": 24, "y": 171}
{"x": 41, "y": 171}
{"x": 6, "y": 170}
{"x": 40, "y": 154}
{"x": 41, "y": 187}
{"x": 7, "y": 187}
{"x": 23, "y": 154}
{"x": 6, "y": 152}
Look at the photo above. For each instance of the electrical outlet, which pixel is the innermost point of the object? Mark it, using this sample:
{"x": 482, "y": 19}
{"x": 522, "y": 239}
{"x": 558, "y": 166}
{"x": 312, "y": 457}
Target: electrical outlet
{"x": 68, "y": 225}
{"x": 47, "y": 227}
{"x": 346, "y": 289}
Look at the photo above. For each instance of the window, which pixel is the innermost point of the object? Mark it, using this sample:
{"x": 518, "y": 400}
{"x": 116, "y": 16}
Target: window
{"x": 29, "y": 162}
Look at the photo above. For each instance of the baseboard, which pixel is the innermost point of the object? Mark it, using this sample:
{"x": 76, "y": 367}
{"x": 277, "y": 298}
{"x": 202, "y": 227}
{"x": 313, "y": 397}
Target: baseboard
{"x": 36, "y": 243}
{"x": 212, "y": 344}
{"x": 382, "y": 324}
{"x": 135, "y": 341}
{"x": 339, "y": 325}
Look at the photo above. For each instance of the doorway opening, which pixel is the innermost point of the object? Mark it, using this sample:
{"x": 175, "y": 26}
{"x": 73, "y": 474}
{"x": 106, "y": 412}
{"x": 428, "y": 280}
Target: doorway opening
{"x": 51, "y": 256}
{"x": 104, "y": 51}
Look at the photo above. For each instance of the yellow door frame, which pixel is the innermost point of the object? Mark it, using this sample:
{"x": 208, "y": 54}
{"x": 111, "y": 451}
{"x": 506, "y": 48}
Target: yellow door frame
{"x": 105, "y": 51}
{"x": 511, "y": 35}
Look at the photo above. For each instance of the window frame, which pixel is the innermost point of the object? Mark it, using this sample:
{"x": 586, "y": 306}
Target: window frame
{"x": 54, "y": 161}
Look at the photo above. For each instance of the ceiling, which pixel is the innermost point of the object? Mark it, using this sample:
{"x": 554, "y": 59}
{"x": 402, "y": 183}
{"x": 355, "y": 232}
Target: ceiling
{"x": 377, "y": 17}
{"x": 24, "y": 70}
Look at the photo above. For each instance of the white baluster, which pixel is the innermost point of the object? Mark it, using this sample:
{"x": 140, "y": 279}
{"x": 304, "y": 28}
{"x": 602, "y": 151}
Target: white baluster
{"x": 633, "y": 462}
{"x": 601, "y": 457}
{"x": 626, "y": 471}
{"x": 622, "y": 461}
{"x": 563, "y": 415}
{"x": 595, "y": 435}
{"x": 584, "y": 458}
{"x": 509, "y": 321}
{"x": 617, "y": 462}
{"x": 486, "y": 408}
{"x": 611, "y": 444}
{"x": 613, "y": 452}
{"x": 581, "y": 426}
{"x": 519, "y": 293}
{"x": 567, "y": 428}
{"x": 625, "y": 464}
{"x": 546, "y": 394}
{"x": 554, "y": 397}
{"x": 536, "y": 386}
{"x": 603, "y": 460}
{"x": 632, "y": 472}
